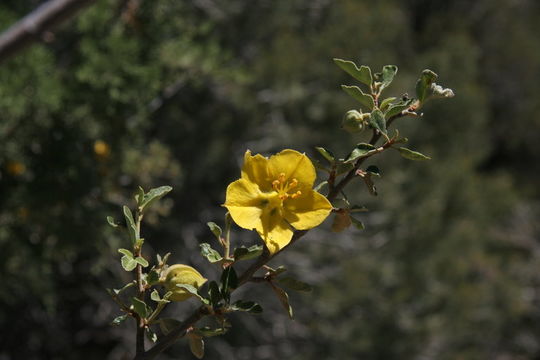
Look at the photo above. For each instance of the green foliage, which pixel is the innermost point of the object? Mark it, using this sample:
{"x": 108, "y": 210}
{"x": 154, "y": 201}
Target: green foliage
{"x": 412, "y": 155}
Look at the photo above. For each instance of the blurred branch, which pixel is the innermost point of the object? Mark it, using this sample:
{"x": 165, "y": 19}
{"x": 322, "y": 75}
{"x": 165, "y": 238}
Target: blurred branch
{"x": 36, "y": 26}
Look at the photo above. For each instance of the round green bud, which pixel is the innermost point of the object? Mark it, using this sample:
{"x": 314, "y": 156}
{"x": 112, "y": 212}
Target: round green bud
{"x": 181, "y": 274}
{"x": 353, "y": 121}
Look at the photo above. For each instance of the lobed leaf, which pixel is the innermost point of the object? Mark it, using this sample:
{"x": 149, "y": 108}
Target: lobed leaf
{"x": 152, "y": 196}
{"x": 377, "y": 121}
{"x": 209, "y": 253}
{"x": 327, "y": 154}
{"x": 130, "y": 223}
{"x": 362, "y": 74}
{"x": 359, "y": 151}
{"x": 243, "y": 253}
{"x": 360, "y": 96}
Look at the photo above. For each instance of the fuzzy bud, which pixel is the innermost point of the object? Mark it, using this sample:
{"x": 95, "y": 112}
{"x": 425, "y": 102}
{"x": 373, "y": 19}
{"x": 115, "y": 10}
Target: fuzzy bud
{"x": 181, "y": 274}
{"x": 353, "y": 121}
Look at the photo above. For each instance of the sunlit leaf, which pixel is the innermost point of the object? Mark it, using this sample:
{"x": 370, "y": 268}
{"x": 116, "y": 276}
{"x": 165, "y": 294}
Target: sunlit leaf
{"x": 362, "y": 74}
{"x": 412, "y": 155}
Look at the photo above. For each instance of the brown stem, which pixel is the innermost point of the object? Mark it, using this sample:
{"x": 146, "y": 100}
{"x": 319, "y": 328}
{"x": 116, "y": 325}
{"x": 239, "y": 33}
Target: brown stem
{"x": 173, "y": 336}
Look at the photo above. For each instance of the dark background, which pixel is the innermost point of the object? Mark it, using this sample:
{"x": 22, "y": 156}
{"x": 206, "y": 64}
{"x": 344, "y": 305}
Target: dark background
{"x": 448, "y": 266}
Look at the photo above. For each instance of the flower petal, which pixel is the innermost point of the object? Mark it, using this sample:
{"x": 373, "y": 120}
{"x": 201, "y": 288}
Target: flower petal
{"x": 277, "y": 237}
{"x": 307, "y": 211}
{"x": 243, "y": 200}
{"x": 255, "y": 169}
{"x": 294, "y": 165}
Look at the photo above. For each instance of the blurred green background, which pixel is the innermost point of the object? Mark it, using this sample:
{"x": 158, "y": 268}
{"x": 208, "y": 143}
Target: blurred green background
{"x": 156, "y": 92}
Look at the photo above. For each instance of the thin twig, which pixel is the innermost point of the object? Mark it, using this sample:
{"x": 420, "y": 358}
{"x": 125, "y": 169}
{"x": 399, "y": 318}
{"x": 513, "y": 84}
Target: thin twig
{"x": 36, "y": 26}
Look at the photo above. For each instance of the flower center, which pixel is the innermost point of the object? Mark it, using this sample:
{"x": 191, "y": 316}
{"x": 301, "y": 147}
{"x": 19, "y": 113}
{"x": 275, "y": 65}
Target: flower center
{"x": 283, "y": 187}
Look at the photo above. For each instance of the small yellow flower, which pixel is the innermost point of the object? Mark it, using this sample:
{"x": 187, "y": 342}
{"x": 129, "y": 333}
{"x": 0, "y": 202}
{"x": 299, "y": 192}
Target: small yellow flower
{"x": 102, "y": 149}
{"x": 275, "y": 195}
{"x": 182, "y": 274}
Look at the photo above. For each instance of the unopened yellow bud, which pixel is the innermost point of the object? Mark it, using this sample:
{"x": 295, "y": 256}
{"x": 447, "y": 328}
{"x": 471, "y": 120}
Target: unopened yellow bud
{"x": 182, "y": 274}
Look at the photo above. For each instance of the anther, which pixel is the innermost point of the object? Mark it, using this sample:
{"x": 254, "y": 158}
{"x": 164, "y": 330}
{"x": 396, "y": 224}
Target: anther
{"x": 293, "y": 183}
{"x": 297, "y": 194}
{"x": 281, "y": 178}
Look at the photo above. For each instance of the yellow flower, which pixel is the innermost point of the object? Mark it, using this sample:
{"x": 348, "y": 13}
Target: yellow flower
{"x": 181, "y": 274}
{"x": 275, "y": 195}
{"x": 101, "y": 149}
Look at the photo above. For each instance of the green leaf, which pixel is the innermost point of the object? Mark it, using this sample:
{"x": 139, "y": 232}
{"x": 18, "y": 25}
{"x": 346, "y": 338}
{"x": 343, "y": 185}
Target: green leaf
{"x": 388, "y": 73}
{"x": 377, "y": 121}
{"x": 360, "y": 96}
{"x": 248, "y": 306}
{"x": 412, "y": 155}
{"x": 141, "y": 261}
{"x": 283, "y": 299}
{"x": 210, "y": 254}
{"x": 243, "y": 253}
{"x": 139, "y": 196}
{"x": 209, "y": 332}
{"x": 362, "y": 74}
{"x": 155, "y": 296}
{"x": 423, "y": 84}
{"x": 229, "y": 280}
{"x": 111, "y": 221}
{"x": 126, "y": 252}
{"x": 140, "y": 307}
{"x": 196, "y": 345}
{"x": 386, "y": 102}
{"x": 294, "y": 284}
{"x": 327, "y": 154}
{"x": 359, "y": 150}
{"x": 166, "y": 325}
{"x": 192, "y": 290}
{"x": 130, "y": 223}
{"x": 373, "y": 170}
{"x": 122, "y": 289}
{"x": 215, "y": 229}
{"x": 344, "y": 167}
{"x": 128, "y": 263}
{"x": 396, "y": 109}
{"x": 357, "y": 223}
{"x": 152, "y": 278}
{"x": 119, "y": 319}
{"x": 153, "y": 195}
{"x": 214, "y": 293}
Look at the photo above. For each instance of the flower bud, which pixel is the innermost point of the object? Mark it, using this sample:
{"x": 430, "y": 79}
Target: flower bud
{"x": 181, "y": 274}
{"x": 353, "y": 121}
